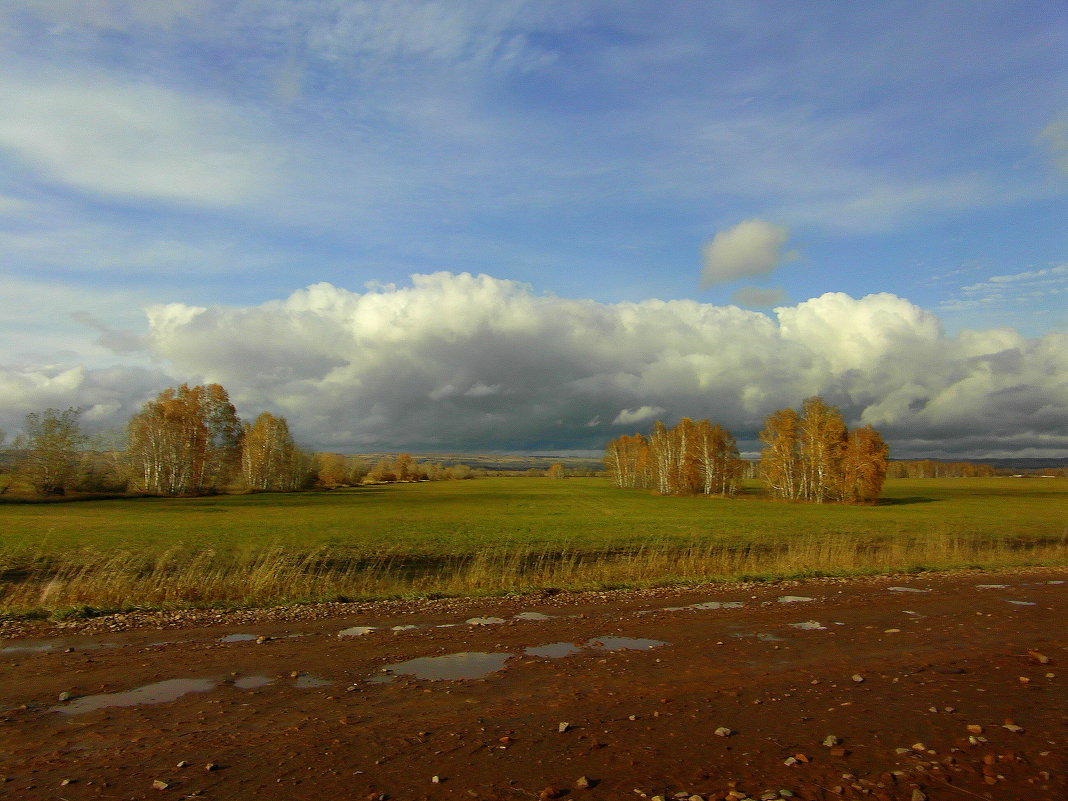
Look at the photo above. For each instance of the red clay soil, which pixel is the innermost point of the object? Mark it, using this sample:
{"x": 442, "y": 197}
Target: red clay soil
{"x": 954, "y": 692}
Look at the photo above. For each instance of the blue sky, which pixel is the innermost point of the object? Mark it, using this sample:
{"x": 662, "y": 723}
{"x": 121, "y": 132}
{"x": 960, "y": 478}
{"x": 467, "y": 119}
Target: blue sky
{"x": 176, "y": 156}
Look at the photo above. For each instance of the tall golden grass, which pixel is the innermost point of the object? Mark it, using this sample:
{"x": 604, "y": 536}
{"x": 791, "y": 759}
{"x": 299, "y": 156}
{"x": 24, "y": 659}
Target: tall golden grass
{"x": 89, "y": 580}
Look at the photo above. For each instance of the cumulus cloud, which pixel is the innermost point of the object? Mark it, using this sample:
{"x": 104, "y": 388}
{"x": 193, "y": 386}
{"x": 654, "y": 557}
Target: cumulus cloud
{"x": 760, "y": 297}
{"x": 752, "y": 247}
{"x": 628, "y": 417}
{"x": 459, "y": 361}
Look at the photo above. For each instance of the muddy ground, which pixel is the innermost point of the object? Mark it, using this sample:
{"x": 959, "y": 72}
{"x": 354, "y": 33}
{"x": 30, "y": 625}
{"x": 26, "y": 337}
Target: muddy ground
{"x": 936, "y": 686}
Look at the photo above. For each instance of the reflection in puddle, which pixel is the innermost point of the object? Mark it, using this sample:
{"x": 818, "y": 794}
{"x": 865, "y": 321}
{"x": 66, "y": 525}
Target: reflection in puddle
{"x": 763, "y": 636}
{"x": 1022, "y": 603}
{"x": 306, "y": 682}
{"x": 809, "y": 625}
{"x": 555, "y": 650}
{"x": 794, "y": 599}
{"x": 158, "y": 693}
{"x": 905, "y": 589}
{"x": 356, "y": 631}
{"x": 1055, "y": 582}
{"x": 991, "y": 586}
{"x": 719, "y": 605}
{"x": 252, "y": 682}
{"x": 41, "y": 646}
{"x": 532, "y": 616}
{"x": 449, "y": 667}
{"x": 238, "y": 637}
{"x": 407, "y": 627}
{"x": 624, "y": 643}
{"x": 484, "y": 621}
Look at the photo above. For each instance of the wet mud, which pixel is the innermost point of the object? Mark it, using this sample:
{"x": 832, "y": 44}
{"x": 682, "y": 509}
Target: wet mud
{"x": 827, "y": 689}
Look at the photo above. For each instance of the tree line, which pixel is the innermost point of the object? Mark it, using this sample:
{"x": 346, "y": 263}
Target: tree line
{"x": 190, "y": 440}
{"x": 808, "y": 455}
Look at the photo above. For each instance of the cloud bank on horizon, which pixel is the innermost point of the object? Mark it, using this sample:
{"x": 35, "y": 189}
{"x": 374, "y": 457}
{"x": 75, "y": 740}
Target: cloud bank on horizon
{"x": 461, "y": 362}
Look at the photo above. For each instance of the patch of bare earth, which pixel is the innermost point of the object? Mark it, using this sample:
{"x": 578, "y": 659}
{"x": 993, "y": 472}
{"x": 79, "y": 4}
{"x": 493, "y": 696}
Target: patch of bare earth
{"x": 944, "y": 686}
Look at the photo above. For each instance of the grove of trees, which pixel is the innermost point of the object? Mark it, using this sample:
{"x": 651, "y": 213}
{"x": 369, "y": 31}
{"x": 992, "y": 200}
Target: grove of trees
{"x": 186, "y": 441}
{"x": 811, "y": 456}
{"x": 808, "y": 456}
{"x": 690, "y": 459}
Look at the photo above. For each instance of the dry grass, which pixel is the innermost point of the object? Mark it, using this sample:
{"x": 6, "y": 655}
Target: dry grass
{"x": 90, "y": 581}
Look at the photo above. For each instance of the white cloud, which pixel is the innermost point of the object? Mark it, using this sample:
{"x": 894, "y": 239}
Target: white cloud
{"x": 131, "y": 140}
{"x": 628, "y": 417}
{"x": 463, "y": 361}
{"x": 752, "y": 247}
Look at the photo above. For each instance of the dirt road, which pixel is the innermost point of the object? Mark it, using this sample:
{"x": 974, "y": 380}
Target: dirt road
{"x": 930, "y": 686}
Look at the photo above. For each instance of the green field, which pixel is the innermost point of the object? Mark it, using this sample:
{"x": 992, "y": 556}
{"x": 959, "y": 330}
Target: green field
{"x": 498, "y": 535}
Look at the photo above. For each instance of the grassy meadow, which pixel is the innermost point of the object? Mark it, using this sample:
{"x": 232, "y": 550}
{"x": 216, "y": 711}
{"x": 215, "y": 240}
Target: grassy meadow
{"x": 498, "y": 535}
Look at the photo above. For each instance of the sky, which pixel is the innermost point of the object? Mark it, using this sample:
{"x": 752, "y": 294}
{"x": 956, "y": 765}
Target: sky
{"x": 498, "y": 225}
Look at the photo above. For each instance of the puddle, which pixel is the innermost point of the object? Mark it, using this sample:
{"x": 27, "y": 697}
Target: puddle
{"x": 407, "y": 627}
{"x": 793, "y": 599}
{"x": 356, "y": 631}
{"x": 159, "y": 693}
{"x": 450, "y": 667}
{"x": 763, "y": 636}
{"x": 624, "y": 643}
{"x": 253, "y": 682}
{"x": 238, "y": 637}
{"x": 721, "y": 605}
{"x": 532, "y": 616}
{"x": 1055, "y": 582}
{"x": 991, "y": 586}
{"x": 307, "y": 682}
{"x": 484, "y": 621}
{"x": 905, "y": 589}
{"x": 555, "y": 650}
{"x": 809, "y": 625}
{"x": 43, "y": 646}
{"x": 1022, "y": 603}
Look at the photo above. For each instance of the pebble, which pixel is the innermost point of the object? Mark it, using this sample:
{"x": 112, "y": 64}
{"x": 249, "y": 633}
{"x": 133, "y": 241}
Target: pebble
{"x": 563, "y": 727}
{"x": 1013, "y": 728}
{"x": 583, "y": 783}
{"x": 723, "y": 731}
{"x": 858, "y": 678}
{"x": 830, "y": 740}
{"x": 65, "y": 696}
{"x": 159, "y": 784}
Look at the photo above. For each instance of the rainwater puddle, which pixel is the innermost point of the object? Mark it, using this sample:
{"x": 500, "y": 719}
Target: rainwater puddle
{"x": 356, "y": 631}
{"x": 991, "y": 586}
{"x": 307, "y": 682}
{"x": 159, "y": 693}
{"x": 1022, "y": 603}
{"x": 407, "y": 627}
{"x": 809, "y": 625}
{"x": 624, "y": 643}
{"x": 905, "y": 589}
{"x": 763, "y": 636}
{"x": 450, "y": 667}
{"x": 555, "y": 650}
{"x": 532, "y": 616}
{"x": 238, "y": 637}
{"x": 1055, "y": 582}
{"x": 793, "y": 599}
{"x": 719, "y": 605}
{"x": 484, "y": 621}
{"x": 42, "y": 646}
{"x": 252, "y": 682}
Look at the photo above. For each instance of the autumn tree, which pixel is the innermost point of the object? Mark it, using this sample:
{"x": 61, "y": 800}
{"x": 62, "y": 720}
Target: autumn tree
{"x": 270, "y": 460}
{"x": 52, "y": 441}
{"x": 812, "y": 457}
{"x": 687, "y": 459}
{"x": 556, "y": 470}
{"x": 864, "y": 466}
{"x": 184, "y": 441}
